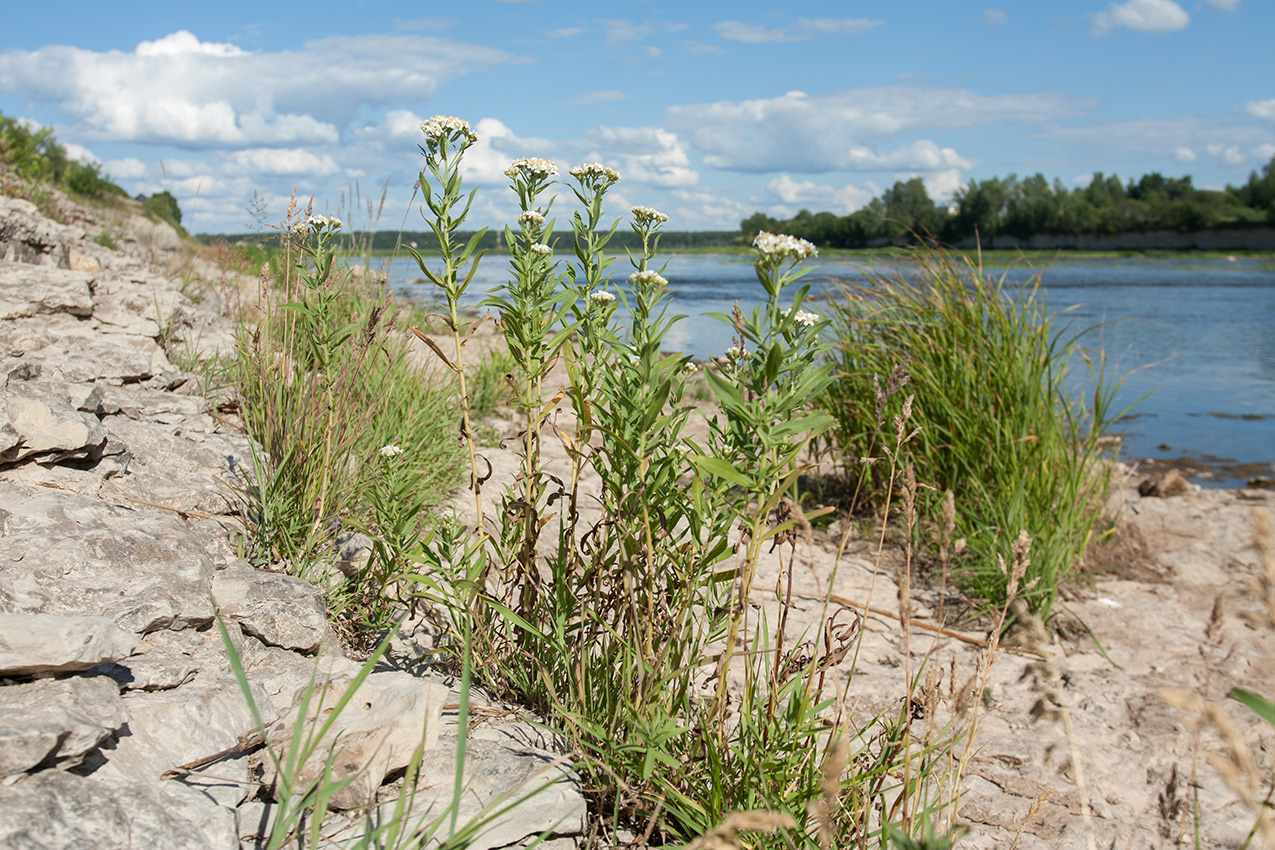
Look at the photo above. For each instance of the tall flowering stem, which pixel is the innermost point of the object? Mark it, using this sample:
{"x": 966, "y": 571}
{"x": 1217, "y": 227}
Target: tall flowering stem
{"x": 588, "y": 274}
{"x": 776, "y": 367}
{"x": 446, "y": 140}
{"x": 592, "y": 307}
{"x": 530, "y": 308}
{"x": 320, "y": 332}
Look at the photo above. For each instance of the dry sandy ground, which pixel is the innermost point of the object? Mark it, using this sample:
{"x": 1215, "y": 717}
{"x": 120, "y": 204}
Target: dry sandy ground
{"x": 1148, "y": 602}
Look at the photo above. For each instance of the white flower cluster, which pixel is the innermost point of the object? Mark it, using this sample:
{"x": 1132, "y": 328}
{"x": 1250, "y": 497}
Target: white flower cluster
{"x": 315, "y": 223}
{"x": 541, "y": 248}
{"x": 594, "y": 171}
{"x": 531, "y": 167}
{"x": 634, "y": 360}
{"x": 737, "y": 353}
{"x": 531, "y": 217}
{"x": 806, "y": 318}
{"x": 781, "y": 245}
{"x": 440, "y": 127}
{"x": 689, "y": 369}
{"x": 646, "y": 215}
{"x": 601, "y": 296}
{"x": 648, "y": 278}
{"x": 391, "y": 450}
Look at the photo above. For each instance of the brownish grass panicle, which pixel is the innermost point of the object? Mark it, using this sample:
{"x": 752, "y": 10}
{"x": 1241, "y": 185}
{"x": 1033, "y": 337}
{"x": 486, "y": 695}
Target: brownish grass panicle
{"x": 1263, "y": 584}
{"x": 1052, "y": 705}
{"x": 1235, "y": 762}
{"x": 823, "y": 810}
{"x": 725, "y": 836}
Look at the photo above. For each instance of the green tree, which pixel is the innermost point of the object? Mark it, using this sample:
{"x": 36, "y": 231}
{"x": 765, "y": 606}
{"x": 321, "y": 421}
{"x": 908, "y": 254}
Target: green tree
{"x": 910, "y": 210}
{"x": 164, "y": 205}
{"x": 1032, "y": 208}
{"x": 980, "y": 208}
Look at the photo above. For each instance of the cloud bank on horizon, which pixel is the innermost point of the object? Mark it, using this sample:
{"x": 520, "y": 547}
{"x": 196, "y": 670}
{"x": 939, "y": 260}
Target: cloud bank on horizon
{"x": 707, "y": 117}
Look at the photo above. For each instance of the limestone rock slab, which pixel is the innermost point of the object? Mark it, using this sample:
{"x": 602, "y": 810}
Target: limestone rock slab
{"x": 74, "y": 556}
{"x": 47, "y": 643}
{"x": 34, "y": 290}
{"x": 503, "y": 768}
{"x": 58, "y": 811}
{"x": 47, "y": 429}
{"x": 173, "y": 727}
{"x": 56, "y": 720}
{"x": 390, "y": 715}
{"x": 277, "y": 609}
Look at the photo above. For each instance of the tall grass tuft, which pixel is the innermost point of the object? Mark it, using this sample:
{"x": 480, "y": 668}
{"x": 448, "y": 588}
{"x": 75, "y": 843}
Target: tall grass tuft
{"x": 326, "y": 382}
{"x": 986, "y": 367}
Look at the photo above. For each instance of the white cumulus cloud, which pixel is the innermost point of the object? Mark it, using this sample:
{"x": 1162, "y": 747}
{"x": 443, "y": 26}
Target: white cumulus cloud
{"x": 1224, "y": 5}
{"x": 1229, "y": 154}
{"x": 281, "y": 161}
{"x": 1154, "y": 16}
{"x": 943, "y": 184}
{"x": 129, "y": 168}
{"x": 79, "y": 153}
{"x": 923, "y": 155}
{"x": 1261, "y": 108}
{"x": 497, "y": 146}
{"x": 180, "y": 90}
{"x": 818, "y": 133}
{"x": 843, "y": 199}
{"x": 1184, "y": 154}
{"x": 644, "y": 155}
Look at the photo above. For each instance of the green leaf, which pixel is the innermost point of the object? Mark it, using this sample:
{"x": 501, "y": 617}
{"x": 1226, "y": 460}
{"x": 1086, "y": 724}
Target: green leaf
{"x": 1260, "y": 705}
{"x": 727, "y": 393}
{"x": 723, "y": 470}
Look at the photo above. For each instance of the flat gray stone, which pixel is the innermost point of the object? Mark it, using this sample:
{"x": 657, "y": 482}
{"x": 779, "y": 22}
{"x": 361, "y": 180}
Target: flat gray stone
{"x": 47, "y": 643}
{"x": 74, "y": 556}
{"x": 56, "y": 720}
{"x": 179, "y": 466}
{"x": 170, "y": 728}
{"x": 47, "y": 429}
{"x": 34, "y": 290}
{"x": 277, "y": 609}
{"x": 59, "y": 811}
{"x": 390, "y": 716}
{"x": 503, "y": 769}
{"x": 156, "y": 670}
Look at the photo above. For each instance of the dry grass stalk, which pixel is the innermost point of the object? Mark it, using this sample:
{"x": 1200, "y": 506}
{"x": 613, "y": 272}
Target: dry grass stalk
{"x": 823, "y": 810}
{"x": 1052, "y": 705}
{"x": 1236, "y": 764}
{"x": 724, "y": 836}
{"x": 1035, "y": 809}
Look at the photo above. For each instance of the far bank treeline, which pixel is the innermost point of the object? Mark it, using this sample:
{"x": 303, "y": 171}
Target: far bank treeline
{"x": 1032, "y": 206}
{"x": 1021, "y": 208}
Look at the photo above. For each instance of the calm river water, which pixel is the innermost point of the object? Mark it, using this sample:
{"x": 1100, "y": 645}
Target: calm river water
{"x": 1197, "y": 334}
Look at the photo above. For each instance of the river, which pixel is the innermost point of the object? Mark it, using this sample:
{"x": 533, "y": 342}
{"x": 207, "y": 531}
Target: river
{"x": 1197, "y": 335}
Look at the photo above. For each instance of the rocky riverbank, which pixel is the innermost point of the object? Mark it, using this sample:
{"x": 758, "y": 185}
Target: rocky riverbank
{"x": 122, "y": 725}
{"x": 121, "y": 722}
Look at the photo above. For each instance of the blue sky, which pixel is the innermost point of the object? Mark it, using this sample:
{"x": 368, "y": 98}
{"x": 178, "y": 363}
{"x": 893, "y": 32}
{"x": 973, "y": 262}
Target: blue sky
{"x": 709, "y": 111}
